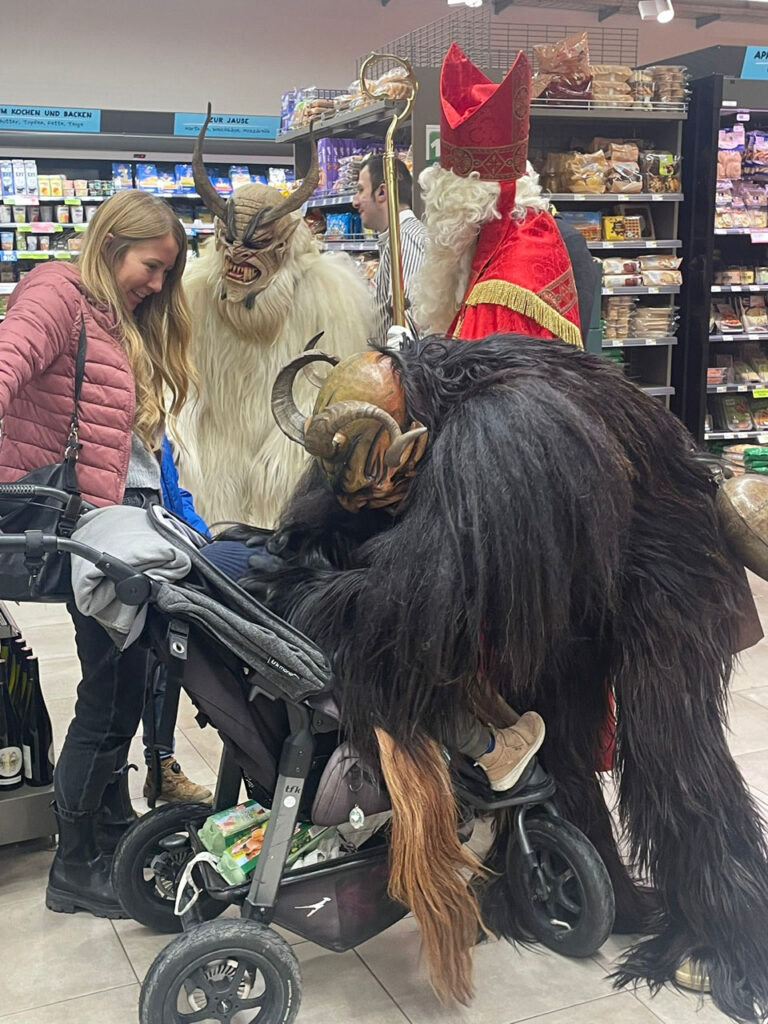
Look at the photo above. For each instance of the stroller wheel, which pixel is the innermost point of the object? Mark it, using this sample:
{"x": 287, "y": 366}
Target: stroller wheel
{"x": 233, "y": 971}
{"x": 145, "y": 875}
{"x": 565, "y": 898}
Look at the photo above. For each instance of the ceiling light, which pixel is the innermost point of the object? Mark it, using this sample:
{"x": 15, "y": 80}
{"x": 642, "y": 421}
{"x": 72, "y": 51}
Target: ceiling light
{"x": 473, "y": 3}
{"x": 656, "y": 10}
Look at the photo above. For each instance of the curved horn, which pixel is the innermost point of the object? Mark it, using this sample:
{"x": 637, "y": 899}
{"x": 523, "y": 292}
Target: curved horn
{"x": 314, "y": 378}
{"x": 296, "y": 199}
{"x": 284, "y": 409}
{"x": 321, "y": 430}
{"x": 394, "y": 453}
{"x": 205, "y": 189}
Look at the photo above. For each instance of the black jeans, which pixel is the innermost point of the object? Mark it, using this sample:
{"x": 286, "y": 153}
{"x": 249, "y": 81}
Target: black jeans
{"x": 107, "y": 713}
{"x": 110, "y": 698}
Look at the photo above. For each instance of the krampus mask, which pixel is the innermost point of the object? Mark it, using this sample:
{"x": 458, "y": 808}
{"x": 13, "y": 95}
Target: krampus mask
{"x": 253, "y": 229}
{"x": 359, "y": 430}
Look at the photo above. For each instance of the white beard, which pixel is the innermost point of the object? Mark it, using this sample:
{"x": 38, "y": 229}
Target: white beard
{"x": 455, "y": 209}
{"x": 238, "y": 464}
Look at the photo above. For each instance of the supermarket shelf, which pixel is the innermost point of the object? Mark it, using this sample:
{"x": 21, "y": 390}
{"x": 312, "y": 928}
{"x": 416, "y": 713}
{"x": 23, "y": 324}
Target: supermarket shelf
{"x": 743, "y": 231}
{"x": 375, "y": 114}
{"x": 739, "y": 288}
{"x": 335, "y": 199}
{"x": 51, "y": 254}
{"x": 640, "y": 243}
{"x": 42, "y": 228}
{"x": 662, "y": 289}
{"x": 729, "y": 435}
{"x": 51, "y": 200}
{"x": 753, "y": 336}
{"x": 657, "y": 392}
{"x": 589, "y": 110}
{"x": 616, "y": 197}
{"x": 349, "y": 244}
{"x": 726, "y": 389}
{"x": 636, "y": 342}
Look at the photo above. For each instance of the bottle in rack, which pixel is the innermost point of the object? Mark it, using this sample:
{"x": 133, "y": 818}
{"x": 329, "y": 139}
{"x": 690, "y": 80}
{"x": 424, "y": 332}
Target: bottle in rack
{"x": 11, "y": 759}
{"x": 36, "y": 732}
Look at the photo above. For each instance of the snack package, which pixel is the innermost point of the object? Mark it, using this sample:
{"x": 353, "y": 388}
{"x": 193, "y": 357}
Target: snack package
{"x": 239, "y": 860}
{"x": 624, "y": 177}
{"x": 619, "y": 266}
{"x": 122, "y": 177}
{"x": 734, "y": 413}
{"x": 587, "y": 222}
{"x": 146, "y": 177}
{"x": 567, "y": 58}
{"x": 754, "y": 315}
{"x": 659, "y": 262}
{"x": 224, "y": 828}
{"x": 730, "y": 151}
{"x": 724, "y": 319}
{"x": 585, "y": 173}
{"x": 661, "y": 278}
{"x": 622, "y": 281}
{"x": 661, "y": 171}
{"x": 624, "y": 228}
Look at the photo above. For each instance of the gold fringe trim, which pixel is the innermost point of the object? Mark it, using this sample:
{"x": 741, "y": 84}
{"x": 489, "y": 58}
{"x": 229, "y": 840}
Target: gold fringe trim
{"x": 426, "y": 860}
{"x": 527, "y": 303}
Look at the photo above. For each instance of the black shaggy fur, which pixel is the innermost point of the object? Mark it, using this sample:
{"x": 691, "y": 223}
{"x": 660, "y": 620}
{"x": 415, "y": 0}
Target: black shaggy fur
{"x": 560, "y": 536}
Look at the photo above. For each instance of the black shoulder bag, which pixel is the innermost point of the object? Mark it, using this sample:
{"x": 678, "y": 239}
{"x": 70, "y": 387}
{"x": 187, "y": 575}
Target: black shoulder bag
{"x": 45, "y": 577}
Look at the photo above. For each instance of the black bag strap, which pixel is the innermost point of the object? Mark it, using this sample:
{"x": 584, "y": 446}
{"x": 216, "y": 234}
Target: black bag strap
{"x": 73, "y": 445}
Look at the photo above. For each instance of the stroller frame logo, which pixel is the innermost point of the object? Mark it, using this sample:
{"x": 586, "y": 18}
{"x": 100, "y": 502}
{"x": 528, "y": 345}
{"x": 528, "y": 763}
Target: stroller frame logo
{"x": 314, "y": 907}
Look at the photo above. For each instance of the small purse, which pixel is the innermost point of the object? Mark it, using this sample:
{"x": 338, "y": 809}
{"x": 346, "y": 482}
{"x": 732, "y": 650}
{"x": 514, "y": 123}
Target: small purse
{"x": 45, "y": 577}
{"x": 346, "y": 784}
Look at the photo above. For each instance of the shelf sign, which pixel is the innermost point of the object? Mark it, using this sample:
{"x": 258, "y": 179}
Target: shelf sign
{"x": 433, "y": 144}
{"x": 755, "y": 63}
{"x": 19, "y": 118}
{"x": 228, "y": 126}
{"x": 759, "y": 236}
{"x": 760, "y": 393}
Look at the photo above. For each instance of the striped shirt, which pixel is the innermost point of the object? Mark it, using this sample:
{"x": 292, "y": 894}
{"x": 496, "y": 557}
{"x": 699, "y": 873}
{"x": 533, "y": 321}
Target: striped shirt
{"x": 413, "y": 239}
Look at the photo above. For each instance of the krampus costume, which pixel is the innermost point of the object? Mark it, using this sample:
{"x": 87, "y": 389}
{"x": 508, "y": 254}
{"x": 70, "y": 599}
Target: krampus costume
{"x": 259, "y": 290}
{"x": 511, "y": 517}
{"x": 495, "y": 260}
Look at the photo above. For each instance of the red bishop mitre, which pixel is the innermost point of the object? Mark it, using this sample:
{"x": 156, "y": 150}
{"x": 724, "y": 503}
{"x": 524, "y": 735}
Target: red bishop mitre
{"x": 484, "y": 125}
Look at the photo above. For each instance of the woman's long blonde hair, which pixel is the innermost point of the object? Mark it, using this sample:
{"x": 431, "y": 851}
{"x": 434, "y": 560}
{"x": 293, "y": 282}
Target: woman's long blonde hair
{"x": 156, "y": 335}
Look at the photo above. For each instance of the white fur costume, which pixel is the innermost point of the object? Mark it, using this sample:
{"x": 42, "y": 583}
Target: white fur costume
{"x": 238, "y": 465}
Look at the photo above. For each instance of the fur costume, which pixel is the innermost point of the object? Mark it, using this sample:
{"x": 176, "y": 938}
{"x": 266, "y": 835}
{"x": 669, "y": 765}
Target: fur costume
{"x": 259, "y": 290}
{"x": 495, "y": 260}
{"x": 557, "y": 531}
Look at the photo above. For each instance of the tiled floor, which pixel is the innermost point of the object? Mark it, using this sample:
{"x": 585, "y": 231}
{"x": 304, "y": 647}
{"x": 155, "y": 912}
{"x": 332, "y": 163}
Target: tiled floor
{"x": 61, "y": 969}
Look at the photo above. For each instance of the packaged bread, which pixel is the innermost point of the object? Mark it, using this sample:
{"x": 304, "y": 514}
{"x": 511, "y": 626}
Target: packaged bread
{"x": 624, "y": 177}
{"x": 585, "y": 173}
{"x": 661, "y": 278}
{"x": 658, "y": 262}
{"x": 622, "y": 281}
{"x": 621, "y": 71}
{"x": 567, "y": 58}
{"x": 616, "y": 265}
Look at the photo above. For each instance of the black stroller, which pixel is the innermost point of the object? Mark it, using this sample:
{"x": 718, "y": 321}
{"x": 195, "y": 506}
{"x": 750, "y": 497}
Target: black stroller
{"x": 267, "y": 690}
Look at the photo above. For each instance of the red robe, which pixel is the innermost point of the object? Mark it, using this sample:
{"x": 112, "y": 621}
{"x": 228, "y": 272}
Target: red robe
{"x": 521, "y": 279}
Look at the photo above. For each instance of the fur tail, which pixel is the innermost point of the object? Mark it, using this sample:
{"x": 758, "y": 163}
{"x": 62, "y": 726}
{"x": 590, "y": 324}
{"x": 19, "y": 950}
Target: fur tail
{"x": 426, "y": 859}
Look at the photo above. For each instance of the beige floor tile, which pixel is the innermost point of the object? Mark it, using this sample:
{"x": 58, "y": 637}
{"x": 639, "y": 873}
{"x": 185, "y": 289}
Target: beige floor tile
{"x": 55, "y": 957}
{"x": 59, "y": 676}
{"x": 758, "y": 694}
{"x": 754, "y": 768}
{"x": 207, "y": 743}
{"x": 510, "y": 984}
{"x": 141, "y": 944}
{"x": 675, "y": 1007}
{"x": 115, "y": 1006}
{"x": 747, "y": 724}
{"x": 23, "y": 872}
{"x": 619, "y": 1008}
{"x": 339, "y": 987}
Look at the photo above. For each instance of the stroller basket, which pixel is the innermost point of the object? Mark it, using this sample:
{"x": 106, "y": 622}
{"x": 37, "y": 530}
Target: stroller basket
{"x": 338, "y": 903}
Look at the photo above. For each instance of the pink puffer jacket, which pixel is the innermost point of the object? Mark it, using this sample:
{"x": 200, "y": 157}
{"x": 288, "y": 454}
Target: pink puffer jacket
{"x": 38, "y": 342}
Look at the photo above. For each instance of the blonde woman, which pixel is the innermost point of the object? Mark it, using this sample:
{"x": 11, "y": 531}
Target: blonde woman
{"x": 126, "y": 292}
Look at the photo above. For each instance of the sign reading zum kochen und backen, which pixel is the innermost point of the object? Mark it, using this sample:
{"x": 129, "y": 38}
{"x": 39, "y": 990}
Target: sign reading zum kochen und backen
{"x": 17, "y": 117}
{"x": 228, "y": 126}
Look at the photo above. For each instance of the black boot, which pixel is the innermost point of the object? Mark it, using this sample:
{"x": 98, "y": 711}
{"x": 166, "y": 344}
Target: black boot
{"x": 79, "y": 876}
{"x": 116, "y": 814}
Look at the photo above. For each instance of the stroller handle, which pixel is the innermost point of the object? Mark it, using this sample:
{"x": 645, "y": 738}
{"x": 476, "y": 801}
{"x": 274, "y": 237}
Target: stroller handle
{"x": 39, "y": 491}
{"x": 132, "y": 587}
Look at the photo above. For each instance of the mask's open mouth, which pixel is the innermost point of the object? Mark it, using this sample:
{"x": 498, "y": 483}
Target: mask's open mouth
{"x": 241, "y": 272}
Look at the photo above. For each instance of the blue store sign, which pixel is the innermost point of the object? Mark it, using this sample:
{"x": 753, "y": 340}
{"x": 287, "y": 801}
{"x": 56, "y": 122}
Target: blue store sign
{"x": 755, "y": 63}
{"x": 228, "y": 126}
{"x": 16, "y": 117}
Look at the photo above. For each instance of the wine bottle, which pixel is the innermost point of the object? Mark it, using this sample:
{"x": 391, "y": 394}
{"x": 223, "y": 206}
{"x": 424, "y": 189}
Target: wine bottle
{"x": 11, "y": 758}
{"x": 17, "y": 676}
{"x": 37, "y": 734}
